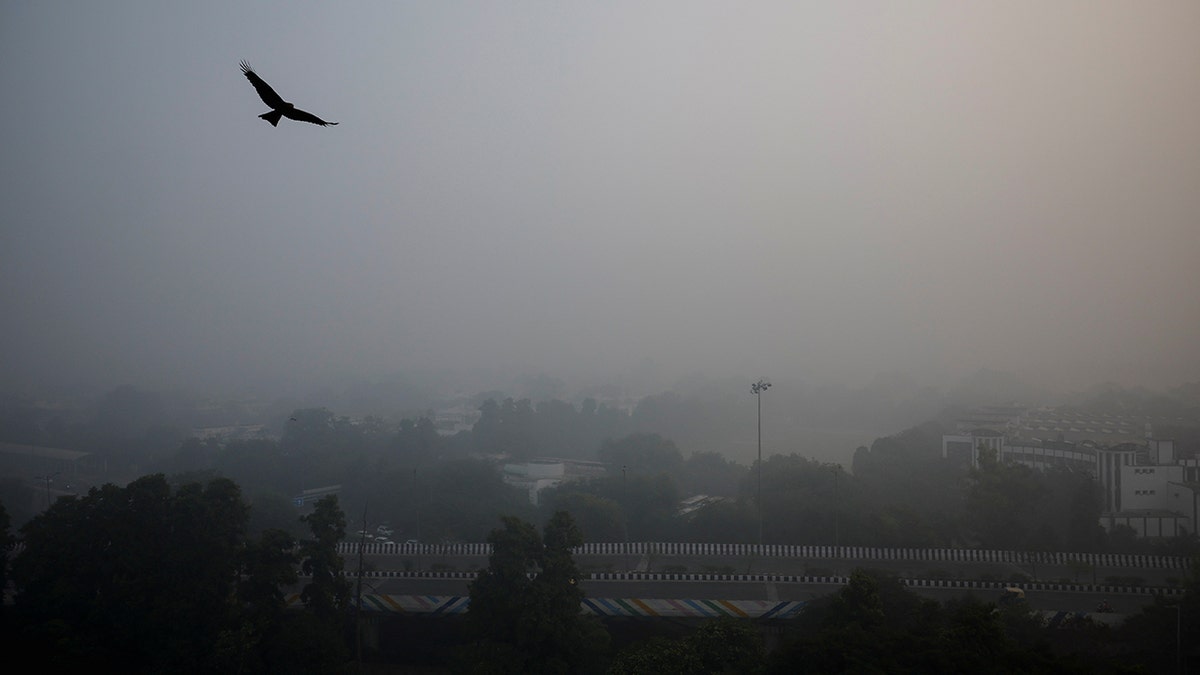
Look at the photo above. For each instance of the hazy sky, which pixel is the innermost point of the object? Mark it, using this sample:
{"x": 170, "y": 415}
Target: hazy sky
{"x": 833, "y": 188}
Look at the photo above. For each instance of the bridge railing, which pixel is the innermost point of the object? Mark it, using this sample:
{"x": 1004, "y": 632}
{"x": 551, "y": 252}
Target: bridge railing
{"x": 967, "y": 555}
{"x": 832, "y": 580}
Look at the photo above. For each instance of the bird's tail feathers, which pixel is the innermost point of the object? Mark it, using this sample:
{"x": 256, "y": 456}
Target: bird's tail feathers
{"x": 273, "y": 117}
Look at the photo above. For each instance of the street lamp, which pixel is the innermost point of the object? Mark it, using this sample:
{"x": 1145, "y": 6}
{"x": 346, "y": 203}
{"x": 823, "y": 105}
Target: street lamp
{"x": 836, "y": 526}
{"x": 625, "y": 512}
{"x": 757, "y": 389}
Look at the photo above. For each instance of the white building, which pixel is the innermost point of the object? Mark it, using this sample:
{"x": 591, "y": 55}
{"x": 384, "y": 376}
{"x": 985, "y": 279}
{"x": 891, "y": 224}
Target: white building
{"x": 1145, "y": 486}
{"x": 539, "y": 474}
{"x": 534, "y": 476}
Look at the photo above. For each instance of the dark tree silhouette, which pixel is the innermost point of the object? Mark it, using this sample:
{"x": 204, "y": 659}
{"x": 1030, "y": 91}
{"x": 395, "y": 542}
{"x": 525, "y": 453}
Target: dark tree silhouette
{"x": 524, "y": 615}
{"x": 133, "y": 579}
{"x": 279, "y": 107}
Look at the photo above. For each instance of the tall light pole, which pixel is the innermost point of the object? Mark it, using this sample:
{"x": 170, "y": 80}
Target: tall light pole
{"x": 625, "y": 512}
{"x": 836, "y": 528}
{"x": 757, "y": 389}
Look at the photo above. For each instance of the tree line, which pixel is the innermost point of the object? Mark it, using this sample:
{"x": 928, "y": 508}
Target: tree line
{"x": 426, "y": 486}
{"x": 900, "y": 493}
{"x": 162, "y": 576}
{"x": 157, "y": 577}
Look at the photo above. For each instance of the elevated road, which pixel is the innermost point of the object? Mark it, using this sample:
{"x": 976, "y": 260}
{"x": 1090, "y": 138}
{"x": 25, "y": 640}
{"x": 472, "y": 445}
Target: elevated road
{"x": 962, "y": 564}
{"x": 1049, "y": 597}
{"x": 693, "y": 580}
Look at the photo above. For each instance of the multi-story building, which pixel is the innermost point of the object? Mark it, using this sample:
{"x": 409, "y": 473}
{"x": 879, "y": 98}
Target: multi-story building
{"x": 1145, "y": 485}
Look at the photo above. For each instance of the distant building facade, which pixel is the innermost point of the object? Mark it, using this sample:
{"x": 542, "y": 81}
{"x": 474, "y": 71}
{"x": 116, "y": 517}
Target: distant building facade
{"x": 1146, "y": 486}
{"x": 539, "y": 474}
{"x": 451, "y": 421}
{"x": 234, "y": 432}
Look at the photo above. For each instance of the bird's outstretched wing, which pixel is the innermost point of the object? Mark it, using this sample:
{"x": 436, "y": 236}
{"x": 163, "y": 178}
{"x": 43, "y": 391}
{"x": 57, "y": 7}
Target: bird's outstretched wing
{"x": 265, "y": 92}
{"x": 305, "y": 116}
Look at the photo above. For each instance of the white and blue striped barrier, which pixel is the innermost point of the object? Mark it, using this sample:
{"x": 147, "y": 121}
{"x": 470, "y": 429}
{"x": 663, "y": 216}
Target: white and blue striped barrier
{"x": 641, "y": 607}
{"x": 967, "y": 555}
{"x": 831, "y": 580}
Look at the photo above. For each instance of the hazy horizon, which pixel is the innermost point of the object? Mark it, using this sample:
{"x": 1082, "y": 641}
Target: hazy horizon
{"x": 604, "y": 193}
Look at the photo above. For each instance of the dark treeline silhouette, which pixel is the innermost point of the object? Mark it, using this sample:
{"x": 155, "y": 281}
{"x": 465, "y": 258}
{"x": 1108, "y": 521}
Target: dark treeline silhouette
{"x": 160, "y": 577}
{"x": 163, "y": 576}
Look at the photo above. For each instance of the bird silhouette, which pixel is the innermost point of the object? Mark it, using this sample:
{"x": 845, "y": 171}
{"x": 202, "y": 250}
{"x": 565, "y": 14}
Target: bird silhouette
{"x": 279, "y": 107}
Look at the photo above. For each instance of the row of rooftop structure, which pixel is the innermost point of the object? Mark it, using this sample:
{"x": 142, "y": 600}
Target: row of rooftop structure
{"x": 1146, "y": 484}
{"x": 538, "y": 474}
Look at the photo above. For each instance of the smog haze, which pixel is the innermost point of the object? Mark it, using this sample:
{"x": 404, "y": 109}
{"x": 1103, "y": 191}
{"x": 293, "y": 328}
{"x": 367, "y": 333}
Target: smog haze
{"x": 599, "y": 190}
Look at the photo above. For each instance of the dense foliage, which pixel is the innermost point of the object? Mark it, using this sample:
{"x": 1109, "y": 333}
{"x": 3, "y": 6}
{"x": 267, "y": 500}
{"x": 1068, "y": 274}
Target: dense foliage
{"x": 161, "y": 577}
{"x": 155, "y": 578}
{"x": 524, "y": 615}
{"x": 875, "y": 625}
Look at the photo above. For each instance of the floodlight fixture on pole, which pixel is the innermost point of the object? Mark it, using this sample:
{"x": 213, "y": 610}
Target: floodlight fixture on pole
{"x": 757, "y": 389}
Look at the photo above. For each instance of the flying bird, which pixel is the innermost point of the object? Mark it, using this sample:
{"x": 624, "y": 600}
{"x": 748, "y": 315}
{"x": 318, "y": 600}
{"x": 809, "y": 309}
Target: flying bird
{"x": 279, "y": 107}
